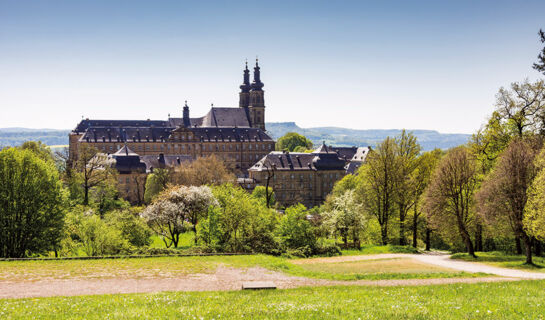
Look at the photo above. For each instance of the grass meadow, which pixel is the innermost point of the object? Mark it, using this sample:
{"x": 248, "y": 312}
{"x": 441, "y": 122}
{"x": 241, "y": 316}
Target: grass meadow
{"x": 507, "y": 300}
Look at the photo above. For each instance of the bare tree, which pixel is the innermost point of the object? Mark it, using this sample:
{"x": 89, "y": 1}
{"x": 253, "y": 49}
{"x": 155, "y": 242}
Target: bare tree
{"x": 504, "y": 195}
{"x": 92, "y": 168}
{"x": 203, "y": 171}
{"x": 522, "y": 107}
{"x": 449, "y": 197}
{"x": 270, "y": 170}
{"x": 540, "y": 64}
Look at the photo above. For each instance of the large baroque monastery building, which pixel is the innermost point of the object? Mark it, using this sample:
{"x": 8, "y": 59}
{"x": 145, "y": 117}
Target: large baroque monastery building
{"x": 235, "y": 135}
{"x": 134, "y": 148}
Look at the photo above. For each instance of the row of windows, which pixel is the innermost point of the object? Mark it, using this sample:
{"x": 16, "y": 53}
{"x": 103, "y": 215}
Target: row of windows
{"x": 211, "y": 147}
{"x": 301, "y": 176}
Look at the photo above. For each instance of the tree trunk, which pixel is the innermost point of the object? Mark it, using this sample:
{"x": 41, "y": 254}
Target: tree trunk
{"x": 479, "y": 237}
{"x": 384, "y": 234}
{"x": 428, "y": 239}
{"x": 517, "y": 245}
{"x": 415, "y": 228}
{"x": 537, "y": 247}
{"x": 402, "y": 240}
{"x": 527, "y": 248}
{"x": 467, "y": 241}
{"x": 86, "y": 195}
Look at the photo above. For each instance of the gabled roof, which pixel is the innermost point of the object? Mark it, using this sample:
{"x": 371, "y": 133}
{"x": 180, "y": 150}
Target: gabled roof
{"x": 165, "y": 161}
{"x": 125, "y": 152}
{"x": 226, "y": 117}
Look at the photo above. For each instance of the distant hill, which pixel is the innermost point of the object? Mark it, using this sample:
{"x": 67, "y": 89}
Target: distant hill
{"x": 429, "y": 139}
{"x": 16, "y": 136}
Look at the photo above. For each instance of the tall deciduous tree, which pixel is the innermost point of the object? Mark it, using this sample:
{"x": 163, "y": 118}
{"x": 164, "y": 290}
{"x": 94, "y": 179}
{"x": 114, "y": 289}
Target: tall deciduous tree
{"x": 407, "y": 151}
{"x": 450, "y": 196}
{"x": 426, "y": 165}
{"x": 503, "y": 195}
{"x": 534, "y": 216}
{"x": 31, "y": 203}
{"x": 522, "y": 106}
{"x": 377, "y": 187}
{"x": 156, "y": 182}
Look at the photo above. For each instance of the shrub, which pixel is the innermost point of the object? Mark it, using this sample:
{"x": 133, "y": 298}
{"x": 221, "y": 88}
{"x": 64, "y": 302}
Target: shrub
{"x": 294, "y": 230}
{"x": 133, "y": 228}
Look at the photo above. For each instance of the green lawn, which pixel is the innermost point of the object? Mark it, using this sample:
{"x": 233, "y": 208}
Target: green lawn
{"x": 514, "y": 300}
{"x": 500, "y": 259}
{"x": 187, "y": 240}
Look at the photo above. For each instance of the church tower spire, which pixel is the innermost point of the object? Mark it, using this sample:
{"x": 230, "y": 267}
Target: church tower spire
{"x": 244, "y": 95}
{"x": 186, "y": 119}
{"x": 257, "y": 100}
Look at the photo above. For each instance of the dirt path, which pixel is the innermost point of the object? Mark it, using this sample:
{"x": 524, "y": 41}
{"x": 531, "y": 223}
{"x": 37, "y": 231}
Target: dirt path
{"x": 223, "y": 279}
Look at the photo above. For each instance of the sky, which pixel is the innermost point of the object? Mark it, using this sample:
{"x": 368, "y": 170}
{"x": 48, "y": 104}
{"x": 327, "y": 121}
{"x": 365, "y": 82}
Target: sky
{"x": 356, "y": 64}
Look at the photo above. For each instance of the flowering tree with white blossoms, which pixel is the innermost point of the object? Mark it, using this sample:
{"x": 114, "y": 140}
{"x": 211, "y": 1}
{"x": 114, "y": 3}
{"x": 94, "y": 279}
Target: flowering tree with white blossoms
{"x": 177, "y": 209}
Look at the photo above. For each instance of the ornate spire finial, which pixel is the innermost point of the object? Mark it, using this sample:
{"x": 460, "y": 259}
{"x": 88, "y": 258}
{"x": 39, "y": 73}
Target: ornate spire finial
{"x": 186, "y": 103}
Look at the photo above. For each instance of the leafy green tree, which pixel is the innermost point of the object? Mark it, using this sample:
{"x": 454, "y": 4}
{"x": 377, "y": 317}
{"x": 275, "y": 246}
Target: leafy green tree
{"x": 407, "y": 151}
{"x": 348, "y": 182}
{"x": 377, "y": 187}
{"x": 31, "y": 204}
{"x": 247, "y": 224}
{"x": 133, "y": 228}
{"x": 427, "y": 163}
{"x": 294, "y": 230}
{"x": 534, "y": 215}
{"x": 39, "y": 149}
{"x": 267, "y": 196}
{"x": 504, "y": 193}
{"x": 292, "y": 140}
{"x": 155, "y": 183}
{"x": 99, "y": 239}
{"x": 449, "y": 198}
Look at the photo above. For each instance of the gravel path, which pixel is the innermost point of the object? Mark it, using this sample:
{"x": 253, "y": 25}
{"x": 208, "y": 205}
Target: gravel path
{"x": 445, "y": 261}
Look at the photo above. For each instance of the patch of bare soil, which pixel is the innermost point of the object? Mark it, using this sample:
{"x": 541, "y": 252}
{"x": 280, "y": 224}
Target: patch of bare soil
{"x": 223, "y": 279}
